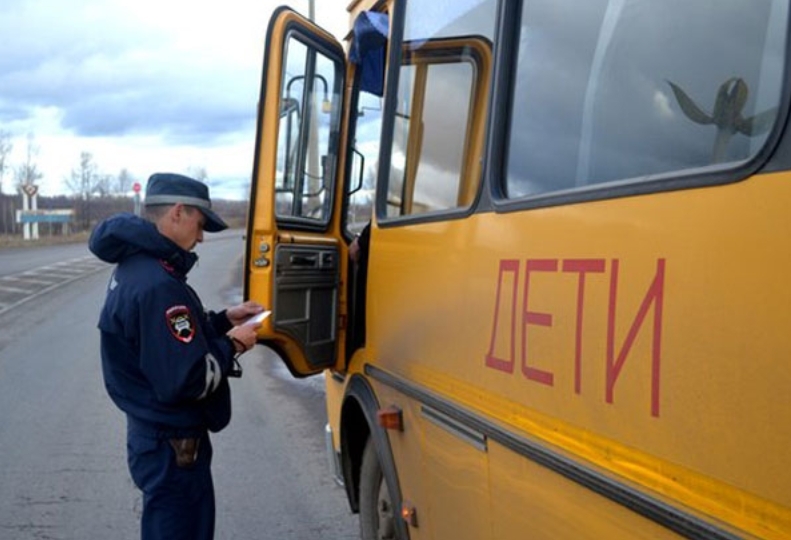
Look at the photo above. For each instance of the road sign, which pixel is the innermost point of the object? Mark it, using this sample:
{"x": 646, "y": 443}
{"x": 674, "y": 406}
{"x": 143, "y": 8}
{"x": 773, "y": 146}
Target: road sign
{"x": 30, "y": 190}
{"x": 44, "y": 216}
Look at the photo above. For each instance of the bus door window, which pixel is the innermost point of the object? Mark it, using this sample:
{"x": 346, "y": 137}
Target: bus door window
{"x": 359, "y": 210}
{"x": 365, "y": 157}
{"x": 441, "y": 107}
{"x": 309, "y": 113}
{"x": 368, "y": 52}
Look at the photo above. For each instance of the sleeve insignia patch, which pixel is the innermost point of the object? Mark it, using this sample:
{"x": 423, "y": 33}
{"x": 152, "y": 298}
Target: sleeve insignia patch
{"x": 180, "y": 323}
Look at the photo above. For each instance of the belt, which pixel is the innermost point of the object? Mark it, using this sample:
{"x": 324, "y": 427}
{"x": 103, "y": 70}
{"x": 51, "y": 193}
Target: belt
{"x": 162, "y": 431}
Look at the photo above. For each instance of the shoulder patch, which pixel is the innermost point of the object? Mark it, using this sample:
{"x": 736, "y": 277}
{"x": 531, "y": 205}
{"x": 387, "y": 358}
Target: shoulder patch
{"x": 180, "y": 322}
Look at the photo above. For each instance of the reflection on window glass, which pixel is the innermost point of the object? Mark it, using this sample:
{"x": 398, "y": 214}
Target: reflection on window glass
{"x": 627, "y": 89}
{"x": 395, "y": 193}
{"x": 440, "y": 106}
{"x": 309, "y": 105}
{"x": 437, "y": 184}
{"x": 290, "y": 126}
{"x": 364, "y": 161}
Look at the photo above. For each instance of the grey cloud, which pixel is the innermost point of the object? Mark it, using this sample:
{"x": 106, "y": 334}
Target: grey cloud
{"x": 180, "y": 115}
{"x": 10, "y": 112}
{"x": 108, "y": 77}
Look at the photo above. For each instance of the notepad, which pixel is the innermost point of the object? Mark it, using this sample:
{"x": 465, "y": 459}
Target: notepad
{"x": 255, "y": 319}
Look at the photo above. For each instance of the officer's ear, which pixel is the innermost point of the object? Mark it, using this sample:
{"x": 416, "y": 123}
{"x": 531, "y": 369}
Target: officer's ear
{"x": 177, "y": 212}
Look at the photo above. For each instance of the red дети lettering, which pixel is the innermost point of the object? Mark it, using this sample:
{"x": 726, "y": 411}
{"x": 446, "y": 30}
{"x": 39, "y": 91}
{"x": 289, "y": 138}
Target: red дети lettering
{"x": 507, "y": 298}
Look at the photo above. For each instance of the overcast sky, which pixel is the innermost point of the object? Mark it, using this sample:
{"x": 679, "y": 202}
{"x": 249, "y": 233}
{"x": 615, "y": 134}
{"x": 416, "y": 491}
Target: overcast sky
{"x": 146, "y": 85}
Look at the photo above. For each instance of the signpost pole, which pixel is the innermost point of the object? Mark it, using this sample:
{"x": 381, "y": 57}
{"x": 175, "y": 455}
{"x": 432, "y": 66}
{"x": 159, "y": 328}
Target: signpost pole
{"x": 34, "y": 207}
{"x": 136, "y": 188}
{"x": 25, "y": 208}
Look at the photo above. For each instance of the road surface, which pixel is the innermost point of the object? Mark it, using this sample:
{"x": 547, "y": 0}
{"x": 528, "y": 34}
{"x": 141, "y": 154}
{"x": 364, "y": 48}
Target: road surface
{"x": 63, "y": 471}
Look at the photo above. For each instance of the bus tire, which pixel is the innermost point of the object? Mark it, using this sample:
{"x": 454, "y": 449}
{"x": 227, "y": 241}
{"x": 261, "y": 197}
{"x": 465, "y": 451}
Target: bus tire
{"x": 377, "y": 515}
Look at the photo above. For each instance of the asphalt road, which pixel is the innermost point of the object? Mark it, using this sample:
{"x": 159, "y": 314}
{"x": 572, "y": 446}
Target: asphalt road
{"x": 63, "y": 471}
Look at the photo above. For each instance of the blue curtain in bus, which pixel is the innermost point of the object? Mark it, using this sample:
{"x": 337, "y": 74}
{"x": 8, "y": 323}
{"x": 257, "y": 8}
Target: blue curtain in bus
{"x": 368, "y": 50}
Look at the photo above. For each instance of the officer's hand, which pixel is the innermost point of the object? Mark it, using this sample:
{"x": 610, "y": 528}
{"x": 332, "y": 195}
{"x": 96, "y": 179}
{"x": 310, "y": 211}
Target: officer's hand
{"x": 239, "y": 314}
{"x": 244, "y": 336}
{"x": 354, "y": 250}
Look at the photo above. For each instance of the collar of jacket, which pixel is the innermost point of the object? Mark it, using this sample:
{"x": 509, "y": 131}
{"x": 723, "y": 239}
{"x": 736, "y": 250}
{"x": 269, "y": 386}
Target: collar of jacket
{"x": 180, "y": 262}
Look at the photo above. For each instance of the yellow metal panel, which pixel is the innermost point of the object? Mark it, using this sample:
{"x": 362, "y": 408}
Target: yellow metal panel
{"x": 334, "y": 400}
{"x": 530, "y": 502}
{"x": 456, "y": 478}
{"x": 677, "y": 376}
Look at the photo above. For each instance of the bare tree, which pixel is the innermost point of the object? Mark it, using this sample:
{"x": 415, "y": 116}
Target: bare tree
{"x": 124, "y": 181}
{"x": 27, "y": 173}
{"x": 5, "y": 150}
{"x": 7, "y": 204}
{"x": 82, "y": 182}
{"x": 83, "y": 179}
{"x": 198, "y": 173}
{"x": 103, "y": 185}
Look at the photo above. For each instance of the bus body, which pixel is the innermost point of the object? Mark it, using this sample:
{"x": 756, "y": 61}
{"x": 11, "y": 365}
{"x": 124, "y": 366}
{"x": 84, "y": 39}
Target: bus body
{"x": 571, "y": 316}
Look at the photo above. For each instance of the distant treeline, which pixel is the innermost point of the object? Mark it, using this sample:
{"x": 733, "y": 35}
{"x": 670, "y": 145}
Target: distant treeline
{"x": 89, "y": 212}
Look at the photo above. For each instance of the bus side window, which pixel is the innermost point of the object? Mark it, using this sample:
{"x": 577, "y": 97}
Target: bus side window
{"x": 429, "y": 141}
{"x": 640, "y": 89}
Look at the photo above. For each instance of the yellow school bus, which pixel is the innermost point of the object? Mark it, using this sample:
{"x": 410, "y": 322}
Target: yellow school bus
{"x": 570, "y": 316}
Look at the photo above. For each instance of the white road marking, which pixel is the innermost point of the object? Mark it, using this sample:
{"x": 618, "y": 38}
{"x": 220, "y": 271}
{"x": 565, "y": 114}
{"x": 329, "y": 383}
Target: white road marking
{"x": 48, "y": 277}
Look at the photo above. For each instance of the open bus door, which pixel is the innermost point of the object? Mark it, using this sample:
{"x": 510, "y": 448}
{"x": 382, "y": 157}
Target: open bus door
{"x": 295, "y": 256}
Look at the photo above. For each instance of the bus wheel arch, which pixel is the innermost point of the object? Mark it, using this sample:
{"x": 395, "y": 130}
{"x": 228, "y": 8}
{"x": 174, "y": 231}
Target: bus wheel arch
{"x": 355, "y": 432}
{"x": 360, "y": 434}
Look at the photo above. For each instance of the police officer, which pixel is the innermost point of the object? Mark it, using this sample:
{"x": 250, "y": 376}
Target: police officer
{"x": 165, "y": 360}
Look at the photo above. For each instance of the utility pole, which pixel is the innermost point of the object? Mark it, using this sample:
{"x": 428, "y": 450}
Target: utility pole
{"x": 315, "y": 180}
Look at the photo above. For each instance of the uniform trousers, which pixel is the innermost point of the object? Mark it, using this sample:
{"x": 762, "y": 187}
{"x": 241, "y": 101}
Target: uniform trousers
{"x": 178, "y": 503}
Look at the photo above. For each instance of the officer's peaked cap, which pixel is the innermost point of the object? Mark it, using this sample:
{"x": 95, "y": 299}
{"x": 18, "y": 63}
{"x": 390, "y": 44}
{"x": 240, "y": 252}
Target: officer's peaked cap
{"x": 171, "y": 188}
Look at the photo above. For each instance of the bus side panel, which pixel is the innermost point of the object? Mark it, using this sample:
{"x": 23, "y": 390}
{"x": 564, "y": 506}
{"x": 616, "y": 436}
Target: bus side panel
{"x": 441, "y": 475}
{"x": 645, "y": 336}
{"x": 532, "y": 502}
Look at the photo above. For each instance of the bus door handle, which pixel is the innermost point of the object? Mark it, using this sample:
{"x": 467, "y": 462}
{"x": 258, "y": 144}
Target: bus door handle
{"x": 303, "y": 260}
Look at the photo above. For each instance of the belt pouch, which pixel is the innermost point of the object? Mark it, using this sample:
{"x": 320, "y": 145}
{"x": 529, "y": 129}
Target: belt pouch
{"x": 186, "y": 451}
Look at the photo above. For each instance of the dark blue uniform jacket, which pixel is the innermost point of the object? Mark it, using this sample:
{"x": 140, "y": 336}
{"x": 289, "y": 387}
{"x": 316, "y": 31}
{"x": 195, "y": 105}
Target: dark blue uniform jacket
{"x": 165, "y": 360}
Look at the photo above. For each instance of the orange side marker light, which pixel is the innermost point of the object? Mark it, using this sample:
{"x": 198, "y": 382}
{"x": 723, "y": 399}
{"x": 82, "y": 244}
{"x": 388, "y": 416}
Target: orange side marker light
{"x": 409, "y": 513}
{"x": 391, "y": 418}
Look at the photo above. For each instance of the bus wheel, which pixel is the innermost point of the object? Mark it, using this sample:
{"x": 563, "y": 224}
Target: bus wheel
{"x": 377, "y": 517}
